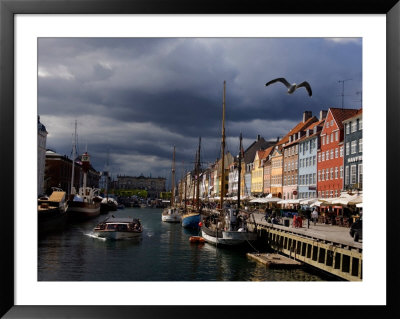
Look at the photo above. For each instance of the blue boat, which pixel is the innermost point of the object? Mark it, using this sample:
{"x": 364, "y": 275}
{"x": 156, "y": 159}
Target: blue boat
{"x": 191, "y": 220}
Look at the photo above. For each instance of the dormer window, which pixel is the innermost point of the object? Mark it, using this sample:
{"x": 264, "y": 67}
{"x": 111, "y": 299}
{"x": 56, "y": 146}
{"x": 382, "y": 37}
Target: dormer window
{"x": 290, "y": 139}
{"x": 308, "y": 133}
{"x": 315, "y": 129}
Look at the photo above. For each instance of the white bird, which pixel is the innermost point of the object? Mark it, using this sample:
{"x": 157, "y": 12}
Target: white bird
{"x": 292, "y": 87}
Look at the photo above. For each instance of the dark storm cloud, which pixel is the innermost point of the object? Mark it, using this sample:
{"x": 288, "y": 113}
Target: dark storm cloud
{"x": 138, "y": 97}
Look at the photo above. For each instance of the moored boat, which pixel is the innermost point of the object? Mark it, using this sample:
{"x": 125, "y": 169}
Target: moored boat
{"x": 229, "y": 226}
{"x": 119, "y": 228}
{"x": 171, "y": 214}
{"x": 52, "y": 212}
{"x": 191, "y": 219}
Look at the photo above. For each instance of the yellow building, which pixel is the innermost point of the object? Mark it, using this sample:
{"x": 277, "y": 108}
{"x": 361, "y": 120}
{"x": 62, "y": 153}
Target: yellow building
{"x": 276, "y": 172}
{"x": 257, "y": 174}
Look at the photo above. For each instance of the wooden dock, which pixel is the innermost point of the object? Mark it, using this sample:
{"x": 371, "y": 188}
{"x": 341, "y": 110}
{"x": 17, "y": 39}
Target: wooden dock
{"x": 275, "y": 260}
{"x": 329, "y": 248}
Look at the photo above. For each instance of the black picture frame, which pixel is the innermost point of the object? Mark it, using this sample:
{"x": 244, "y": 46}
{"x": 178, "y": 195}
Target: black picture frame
{"x": 8, "y": 10}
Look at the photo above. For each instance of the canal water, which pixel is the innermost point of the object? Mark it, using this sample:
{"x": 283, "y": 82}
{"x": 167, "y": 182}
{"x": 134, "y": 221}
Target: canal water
{"x": 164, "y": 253}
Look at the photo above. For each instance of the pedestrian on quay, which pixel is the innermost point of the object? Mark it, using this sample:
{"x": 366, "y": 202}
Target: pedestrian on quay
{"x": 314, "y": 215}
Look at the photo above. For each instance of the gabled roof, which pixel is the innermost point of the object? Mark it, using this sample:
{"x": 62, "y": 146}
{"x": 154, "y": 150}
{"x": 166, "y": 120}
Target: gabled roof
{"x": 250, "y": 152}
{"x": 299, "y": 127}
{"x": 311, "y": 127}
{"x": 339, "y": 115}
{"x": 359, "y": 112}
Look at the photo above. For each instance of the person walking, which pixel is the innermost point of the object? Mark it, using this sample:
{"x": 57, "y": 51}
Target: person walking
{"x": 314, "y": 216}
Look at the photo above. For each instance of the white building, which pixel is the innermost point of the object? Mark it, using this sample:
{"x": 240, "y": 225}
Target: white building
{"x": 42, "y": 136}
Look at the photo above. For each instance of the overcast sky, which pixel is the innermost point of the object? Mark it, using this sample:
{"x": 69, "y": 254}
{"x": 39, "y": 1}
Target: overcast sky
{"x": 137, "y": 97}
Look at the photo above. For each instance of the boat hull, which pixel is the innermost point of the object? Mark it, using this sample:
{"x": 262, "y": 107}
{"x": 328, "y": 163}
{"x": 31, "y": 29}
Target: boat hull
{"x": 82, "y": 210}
{"x": 173, "y": 218}
{"x": 191, "y": 220}
{"x": 227, "y": 238}
{"x": 116, "y": 235}
{"x": 171, "y": 215}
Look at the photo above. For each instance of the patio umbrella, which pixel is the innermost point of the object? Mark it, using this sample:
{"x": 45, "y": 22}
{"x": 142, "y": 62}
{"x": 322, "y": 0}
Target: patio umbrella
{"x": 359, "y": 205}
{"x": 358, "y": 199}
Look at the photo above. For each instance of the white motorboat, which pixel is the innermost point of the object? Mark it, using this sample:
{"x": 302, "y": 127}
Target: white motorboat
{"x": 171, "y": 215}
{"x": 119, "y": 228}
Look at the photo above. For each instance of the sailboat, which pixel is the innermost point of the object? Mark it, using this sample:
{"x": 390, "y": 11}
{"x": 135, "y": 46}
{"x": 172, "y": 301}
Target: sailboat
{"x": 229, "y": 227}
{"x": 171, "y": 213}
{"x": 85, "y": 203}
{"x": 192, "y": 219}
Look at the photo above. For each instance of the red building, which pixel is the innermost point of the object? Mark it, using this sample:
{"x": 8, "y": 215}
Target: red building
{"x": 331, "y": 154}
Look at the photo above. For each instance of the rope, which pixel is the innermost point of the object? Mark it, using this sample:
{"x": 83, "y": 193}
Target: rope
{"x": 256, "y": 250}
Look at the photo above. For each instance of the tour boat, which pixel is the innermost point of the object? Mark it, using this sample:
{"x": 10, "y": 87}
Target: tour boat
{"x": 229, "y": 226}
{"x": 119, "y": 228}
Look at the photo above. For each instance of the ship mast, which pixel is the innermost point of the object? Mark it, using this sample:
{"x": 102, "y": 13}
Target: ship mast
{"x": 73, "y": 158}
{"x": 239, "y": 171}
{"x": 198, "y": 177}
{"x": 223, "y": 151}
{"x": 173, "y": 179}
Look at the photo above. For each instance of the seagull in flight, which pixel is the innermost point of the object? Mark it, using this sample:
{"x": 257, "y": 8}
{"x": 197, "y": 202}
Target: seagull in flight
{"x": 292, "y": 87}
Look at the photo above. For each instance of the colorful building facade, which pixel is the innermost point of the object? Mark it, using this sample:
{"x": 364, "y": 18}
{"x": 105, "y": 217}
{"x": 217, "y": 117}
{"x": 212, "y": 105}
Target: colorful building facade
{"x": 330, "y": 157}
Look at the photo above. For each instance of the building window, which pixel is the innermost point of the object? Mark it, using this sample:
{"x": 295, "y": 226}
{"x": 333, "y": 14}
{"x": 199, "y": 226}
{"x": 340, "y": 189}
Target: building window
{"x": 327, "y": 155}
{"x": 323, "y": 156}
{"x": 323, "y": 140}
{"x": 337, "y": 136}
{"x": 353, "y": 173}
{"x": 353, "y": 147}
{"x": 346, "y": 175}
{"x": 341, "y": 151}
{"x": 331, "y": 122}
{"x": 347, "y": 126}
{"x": 331, "y": 173}
{"x": 314, "y": 178}
{"x": 336, "y": 193}
{"x": 360, "y": 145}
{"x": 336, "y": 152}
{"x": 327, "y": 124}
{"x": 319, "y": 157}
{"x": 341, "y": 171}
{"x": 301, "y": 148}
{"x": 323, "y": 175}
{"x": 314, "y": 160}
{"x": 319, "y": 176}
{"x": 353, "y": 126}
{"x": 319, "y": 194}
{"x": 360, "y": 124}
{"x": 332, "y": 138}
{"x": 347, "y": 148}
{"x": 323, "y": 194}
{"x": 332, "y": 153}
{"x": 336, "y": 173}
{"x": 327, "y": 139}
{"x": 360, "y": 175}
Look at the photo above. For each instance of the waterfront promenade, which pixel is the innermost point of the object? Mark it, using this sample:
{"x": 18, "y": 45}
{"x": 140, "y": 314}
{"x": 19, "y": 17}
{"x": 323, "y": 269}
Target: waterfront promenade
{"x": 324, "y": 232}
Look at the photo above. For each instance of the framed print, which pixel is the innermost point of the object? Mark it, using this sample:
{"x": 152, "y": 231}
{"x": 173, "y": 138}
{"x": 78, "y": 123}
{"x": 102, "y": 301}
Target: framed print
{"x": 135, "y": 66}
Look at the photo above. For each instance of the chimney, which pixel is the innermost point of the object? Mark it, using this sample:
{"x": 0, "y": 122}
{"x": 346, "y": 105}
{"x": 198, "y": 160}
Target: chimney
{"x": 322, "y": 114}
{"x": 306, "y": 115}
{"x": 258, "y": 137}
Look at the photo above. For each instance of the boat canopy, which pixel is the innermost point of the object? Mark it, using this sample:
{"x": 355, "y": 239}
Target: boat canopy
{"x": 121, "y": 220}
